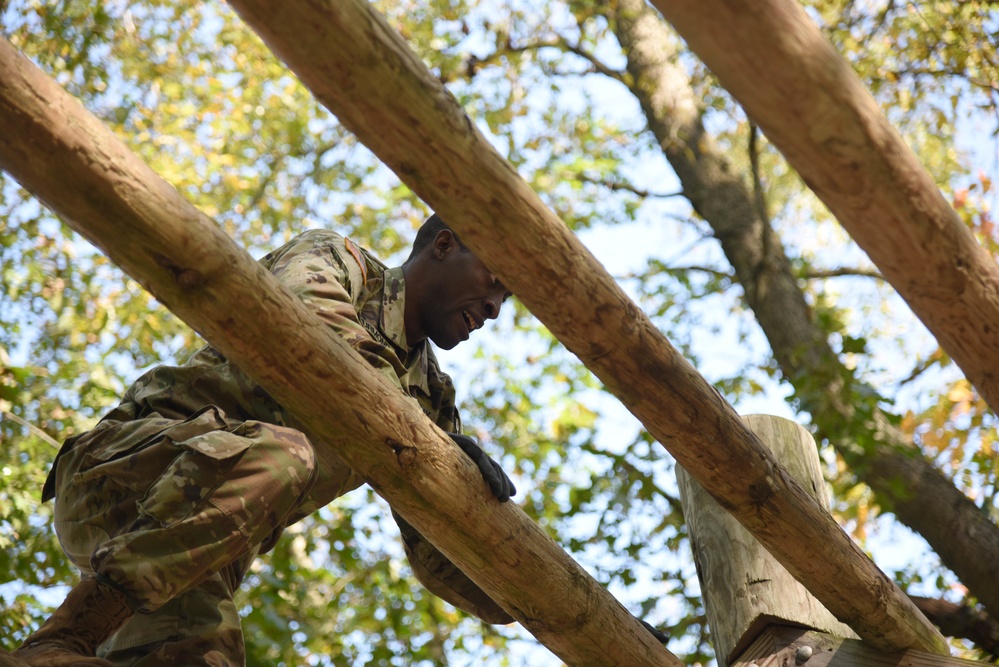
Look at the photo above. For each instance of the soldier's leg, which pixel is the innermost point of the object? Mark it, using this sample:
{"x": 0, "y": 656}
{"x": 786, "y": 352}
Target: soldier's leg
{"x": 222, "y": 494}
{"x": 212, "y": 496}
{"x": 198, "y": 628}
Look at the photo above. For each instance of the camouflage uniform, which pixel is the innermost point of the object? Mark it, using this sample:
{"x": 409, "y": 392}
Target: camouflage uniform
{"x": 176, "y": 490}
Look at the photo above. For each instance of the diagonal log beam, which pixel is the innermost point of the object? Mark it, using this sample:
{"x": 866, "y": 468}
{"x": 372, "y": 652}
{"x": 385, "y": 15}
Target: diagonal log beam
{"x": 363, "y": 71}
{"x": 775, "y": 61}
{"x": 79, "y": 169}
{"x": 918, "y": 492}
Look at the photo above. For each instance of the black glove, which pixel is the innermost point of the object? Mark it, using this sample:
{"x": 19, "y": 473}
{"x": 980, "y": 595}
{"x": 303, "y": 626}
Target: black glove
{"x": 498, "y": 482}
{"x": 660, "y": 636}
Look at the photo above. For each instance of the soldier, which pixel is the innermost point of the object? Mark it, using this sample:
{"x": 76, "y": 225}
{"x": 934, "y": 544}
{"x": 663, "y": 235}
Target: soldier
{"x": 167, "y": 501}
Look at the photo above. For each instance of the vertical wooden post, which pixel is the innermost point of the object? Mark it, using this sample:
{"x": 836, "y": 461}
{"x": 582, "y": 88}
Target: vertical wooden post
{"x": 743, "y": 586}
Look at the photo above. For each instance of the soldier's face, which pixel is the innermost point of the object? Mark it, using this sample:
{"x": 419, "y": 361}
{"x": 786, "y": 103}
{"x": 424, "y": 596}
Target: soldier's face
{"x": 463, "y": 296}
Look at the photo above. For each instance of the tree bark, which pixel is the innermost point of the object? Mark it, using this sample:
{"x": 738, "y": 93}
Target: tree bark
{"x": 905, "y": 482}
{"x": 958, "y": 620}
{"x": 772, "y": 57}
{"x": 362, "y": 70}
{"x": 356, "y": 65}
{"x": 73, "y": 164}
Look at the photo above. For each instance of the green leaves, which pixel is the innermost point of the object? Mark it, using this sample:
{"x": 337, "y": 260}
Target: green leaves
{"x": 205, "y": 103}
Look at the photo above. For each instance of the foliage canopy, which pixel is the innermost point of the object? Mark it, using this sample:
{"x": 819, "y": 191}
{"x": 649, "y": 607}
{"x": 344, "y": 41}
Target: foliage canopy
{"x": 200, "y": 98}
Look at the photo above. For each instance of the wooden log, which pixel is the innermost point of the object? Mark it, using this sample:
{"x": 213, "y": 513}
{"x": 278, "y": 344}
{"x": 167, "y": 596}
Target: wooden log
{"x": 744, "y": 588}
{"x": 362, "y": 70}
{"x": 791, "y": 81}
{"x": 784, "y": 646}
{"x": 8, "y": 660}
{"x": 77, "y": 167}
{"x": 919, "y": 493}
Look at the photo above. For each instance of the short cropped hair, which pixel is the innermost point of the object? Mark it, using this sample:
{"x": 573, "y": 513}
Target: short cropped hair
{"x": 428, "y": 230}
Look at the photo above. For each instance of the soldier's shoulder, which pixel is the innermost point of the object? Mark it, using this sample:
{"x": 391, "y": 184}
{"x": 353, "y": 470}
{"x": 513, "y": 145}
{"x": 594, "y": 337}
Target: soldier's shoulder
{"x": 312, "y": 242}
{"x": 318, "y": 237}
{"x": 327, "y": 237}
{"x": 373, "y": 262}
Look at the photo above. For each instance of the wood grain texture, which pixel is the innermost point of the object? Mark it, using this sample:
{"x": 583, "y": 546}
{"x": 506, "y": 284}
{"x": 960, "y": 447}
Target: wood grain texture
{"x": 918, "y": 492}
{"x": 7, "y": 660}
{"x": 71, "y": 162}
{"x": 744, "y": 588}
{"x": 788, "y": 646}
{"x": 359, "y": 68}
{"x": 791, "y": 81}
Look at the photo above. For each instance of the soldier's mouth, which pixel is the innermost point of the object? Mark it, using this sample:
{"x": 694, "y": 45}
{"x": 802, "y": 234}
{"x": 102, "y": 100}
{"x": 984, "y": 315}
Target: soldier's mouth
{"x": 470, "y": 321}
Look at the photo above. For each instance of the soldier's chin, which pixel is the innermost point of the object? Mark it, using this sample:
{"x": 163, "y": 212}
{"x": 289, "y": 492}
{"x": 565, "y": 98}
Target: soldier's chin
{"x": 445, "y": 342}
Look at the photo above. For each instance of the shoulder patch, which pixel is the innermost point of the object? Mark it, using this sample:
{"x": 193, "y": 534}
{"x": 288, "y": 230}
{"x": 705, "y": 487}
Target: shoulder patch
{"x": 356, "y": 253}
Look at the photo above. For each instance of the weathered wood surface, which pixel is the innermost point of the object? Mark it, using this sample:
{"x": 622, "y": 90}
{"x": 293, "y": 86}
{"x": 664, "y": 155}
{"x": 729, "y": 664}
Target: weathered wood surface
{"x": 791, "y": 81}
{"x": 72, "y": 163}
{"x": 743, "y": 586}
{"x": 7, "y": 660}
{"x": 922, "y": 497}
{"x": 363, "y": 71}
{"x": 787, "y": 646}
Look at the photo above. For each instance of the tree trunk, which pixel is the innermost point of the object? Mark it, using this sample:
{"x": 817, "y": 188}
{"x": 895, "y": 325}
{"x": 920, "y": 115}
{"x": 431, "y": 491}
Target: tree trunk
{"x": 772, "y": 57}
{"x": 352, "y": 60}
{"x": 905, "y": 483}
{"x": 72, "y": 163}
{"x": 362, "y": 70}
{"x": 961, "y": 620}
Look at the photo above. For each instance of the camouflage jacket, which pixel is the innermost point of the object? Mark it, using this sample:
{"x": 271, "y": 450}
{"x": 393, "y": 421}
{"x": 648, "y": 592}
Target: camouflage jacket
{"x": 359, "y": 298}
{"x": 363, "y": 301}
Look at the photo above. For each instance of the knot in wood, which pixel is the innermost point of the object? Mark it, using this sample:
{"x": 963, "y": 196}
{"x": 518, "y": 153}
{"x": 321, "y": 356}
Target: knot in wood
{"x": 189, "y": 278}
{"x": 762, "y": 492}
{"x": 405, "y": 454}
{"x": 407, "y": 457}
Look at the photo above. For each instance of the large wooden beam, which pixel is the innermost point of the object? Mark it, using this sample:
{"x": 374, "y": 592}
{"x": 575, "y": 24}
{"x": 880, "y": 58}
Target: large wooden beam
{"x": 743, "y": 587}
{"x": 791, "y": 81}
{"x": 364, "y": 72}
{"x": 783, "y": 646}
{"x": 72, "y": 163}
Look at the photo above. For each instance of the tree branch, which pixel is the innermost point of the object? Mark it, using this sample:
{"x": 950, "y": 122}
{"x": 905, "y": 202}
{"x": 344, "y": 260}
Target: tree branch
{"x": 841, "y": 272}
{"x": 959, "y": 620}
{"x": 597, "y": 66}
{"x": 705, "y": 269}
{"x": 911, "y": 485}
{"x": 627, "y": 187}
{"x": 922, "y": 366}
{"x": 351, "y": 413}
{"x": 31, "y": 427}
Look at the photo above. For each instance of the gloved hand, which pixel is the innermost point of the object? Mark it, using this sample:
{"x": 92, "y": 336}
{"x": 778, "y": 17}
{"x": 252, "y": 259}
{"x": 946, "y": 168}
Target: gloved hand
{"x": 498, "y": 482}
{"x": 660, "y": 636}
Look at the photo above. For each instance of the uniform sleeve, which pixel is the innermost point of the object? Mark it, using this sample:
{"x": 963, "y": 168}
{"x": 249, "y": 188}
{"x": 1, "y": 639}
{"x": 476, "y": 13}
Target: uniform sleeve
{"x": 431, "y": 567}
{"x": 321, "y": 278}
{"x": 442, "y": 398}
{"x": 318, "y": 275}
{"x": 442, "y": 577}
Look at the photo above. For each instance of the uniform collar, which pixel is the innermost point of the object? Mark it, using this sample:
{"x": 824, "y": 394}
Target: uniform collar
{"x": 393, "y": 327}
{"x": 393, "y": 318}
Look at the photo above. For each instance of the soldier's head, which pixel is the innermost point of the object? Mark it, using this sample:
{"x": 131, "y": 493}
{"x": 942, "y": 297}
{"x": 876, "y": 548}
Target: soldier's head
{"x": 449, "y": 292}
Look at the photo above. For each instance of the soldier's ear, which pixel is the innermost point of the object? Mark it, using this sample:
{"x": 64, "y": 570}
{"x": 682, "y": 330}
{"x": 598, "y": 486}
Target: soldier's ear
{"x": 444, "y": 242}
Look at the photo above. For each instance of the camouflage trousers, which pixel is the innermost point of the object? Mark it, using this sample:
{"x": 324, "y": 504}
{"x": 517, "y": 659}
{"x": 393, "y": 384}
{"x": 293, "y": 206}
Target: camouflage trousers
{"x": 174, "y": 512}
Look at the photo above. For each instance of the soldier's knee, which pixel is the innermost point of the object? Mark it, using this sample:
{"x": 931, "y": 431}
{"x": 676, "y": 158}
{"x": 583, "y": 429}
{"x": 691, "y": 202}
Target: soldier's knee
{"x": 307, "y": 454}
{"x": 290, "y": 449}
